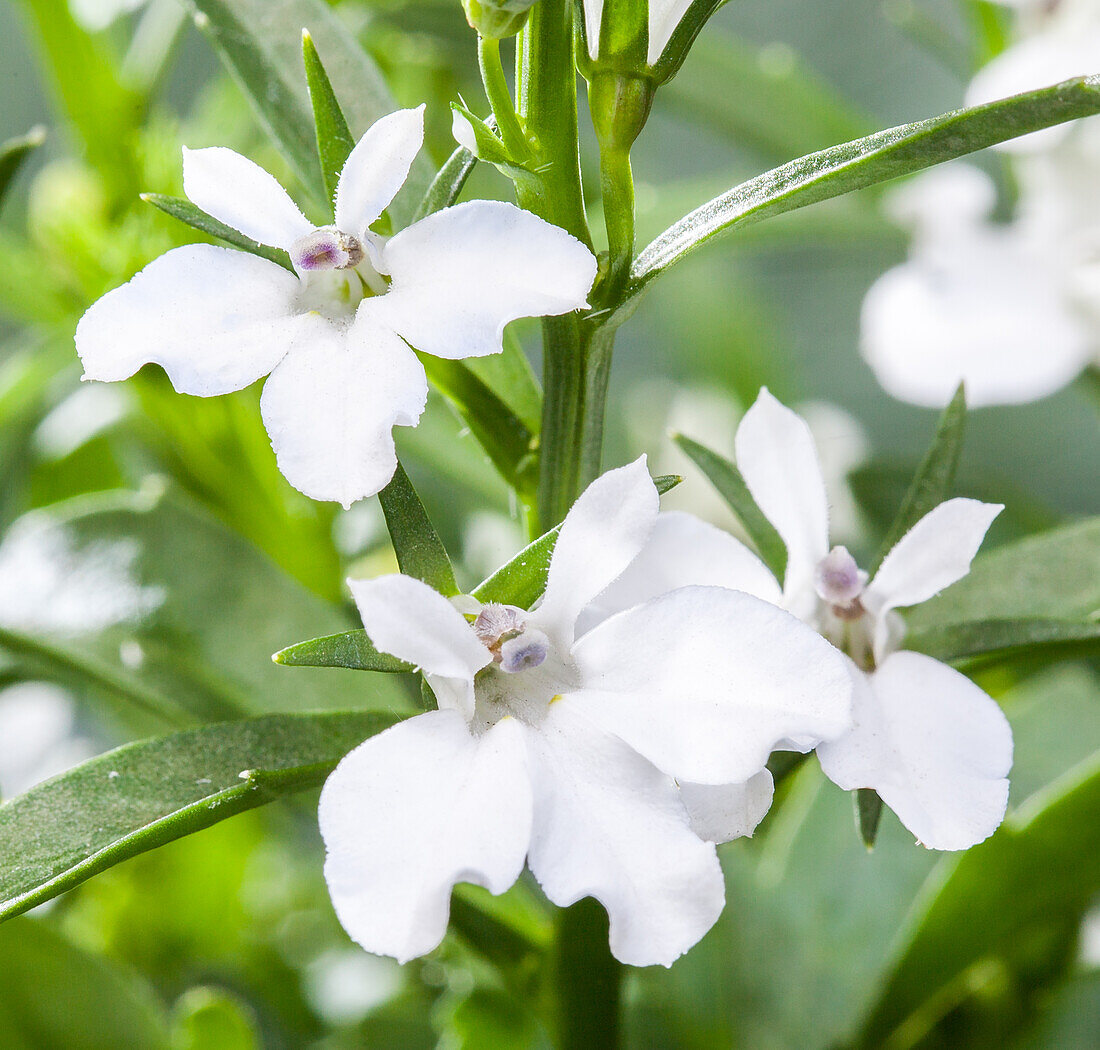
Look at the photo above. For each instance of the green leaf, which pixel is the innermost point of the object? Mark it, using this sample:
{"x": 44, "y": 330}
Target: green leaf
{"x": 185, "y": 211}
{"x": 864, "y": 162}
{"x": 935, "y": 476}
{"x": 210, "y": 1019}
{"x": 727, "y": 479}
{"x": 420, "y": 551}
{"x": 868, "y": 814}
{"x": 1006, "y": 639}
{"x": 447, "y": 184}
{"x": 14, "y": 151}
{"x": 353, "y": 650}
{"x": 260, "y": 40}
{"x": 1024, "y": 888}
{"x": 143, "y": 795}
{"x": 334, "y": 141}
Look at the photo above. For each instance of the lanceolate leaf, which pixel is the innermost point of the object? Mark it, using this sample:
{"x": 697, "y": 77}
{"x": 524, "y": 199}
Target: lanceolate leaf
{"x": 864, "y": 162}
{"x": 868, "y": 814}
{"x": 420, "y": 551}
{"x": 143, "y": 795}
{"x": 334, "y": 141}
{"x": 185, "y": 211}
{"x": 448, "y": 183}
{"x": 14, "y": 151}
{"x": 352, "y": 649}
{"x": 935, "y": 476}
{"x": 726, "y": 478}
{"x": 981, "y": 640}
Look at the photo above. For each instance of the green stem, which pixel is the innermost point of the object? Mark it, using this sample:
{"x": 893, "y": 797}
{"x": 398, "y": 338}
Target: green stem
{"x": 500, "y": 98}
{"x": 587, "y": 980}
{"x": 617, "y": 184}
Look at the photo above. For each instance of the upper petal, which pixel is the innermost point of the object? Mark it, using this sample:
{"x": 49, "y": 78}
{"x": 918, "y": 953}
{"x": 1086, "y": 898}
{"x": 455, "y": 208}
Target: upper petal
{"x": 376, "y": 169}
{"x": 214, "y": 319}
{"x": 593, "y": 19}
{"x": 331, "y": 406}
{"x": 777, "y": 456}
{"x": 664, "y": 17}
{"x": 408, "y": 619}
{"x": 933, "y": 745}
{"x": 705, "y": 682}
{"x": 932, "y": 555}
{"x": 242, "y": 195}
{"x": 608, "y": 825}
{"x": 460, "y": 275}
{"x": 414, "y": 810}
{"x": 724, "y": 812}
{"x": 602, "y": 534}
{"x": 684, "y": 550}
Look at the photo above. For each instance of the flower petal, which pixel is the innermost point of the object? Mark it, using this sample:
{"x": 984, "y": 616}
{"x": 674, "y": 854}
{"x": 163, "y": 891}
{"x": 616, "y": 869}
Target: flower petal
{"x": 684, "y": 550}
{"x": 602, "y": 534}
{"x": 414, "y": 810}
{"x": 214, "y": 319}
{"x": 933, "y": 745}
{"x": 664, "y": 17}
{"x": 407, "y": 619}
{"x": 331, "y": 405}
{"x": 610, "y": 826}
{"x": 724, "y": 812}
{"x": 705, "y": 682}
{"x": 376, "y": 169}
{"x": 460, "y": 275}
{"x": 932, "y": 555}
{"x": 593, "y": 19}
{"x": 777, "y": 456}
{"x": 242, "y": 195}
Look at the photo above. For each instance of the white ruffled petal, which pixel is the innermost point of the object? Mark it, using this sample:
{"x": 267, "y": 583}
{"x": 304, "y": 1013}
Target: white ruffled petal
{"x": 215, "y": 320}
{"x": 705, "y": 682}
{"x": 777, "y": 457}
{"x": 664, "y": 17}
{"x": 602, "y": 534}
{"x": 242, "y": 195}
{"x": 933, "y": 745}
{"x": 593, "y": 19}
{"x": 331, "y": 406}
{"x": 459, "y": 276}
{"x": 376, "y": 169}
{"x": 684, "y": 550}
{"x": 408, "y": 619}
{"x": 609, "y": 825}
{"x": 413, "y": 811}
{"x": 932, "y": 555}
{"x": 724, "y": 812}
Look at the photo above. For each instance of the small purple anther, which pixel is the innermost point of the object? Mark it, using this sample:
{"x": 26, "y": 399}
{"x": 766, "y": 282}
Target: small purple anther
{"x": 524, "y": 652}
{"x": 837, "y": 578}
{"x": 326, "y": 249}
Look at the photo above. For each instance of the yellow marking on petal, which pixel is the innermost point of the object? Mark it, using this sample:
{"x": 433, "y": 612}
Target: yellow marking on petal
{"x": 554, "y": 699}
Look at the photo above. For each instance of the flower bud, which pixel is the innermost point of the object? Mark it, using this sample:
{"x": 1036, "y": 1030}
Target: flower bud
{"x": 497, "y": 19}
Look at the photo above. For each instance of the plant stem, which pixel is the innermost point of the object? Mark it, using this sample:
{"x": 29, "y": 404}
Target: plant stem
{"x": 617, "y": 184}
{"x": 500, "y": 98}
{"x": 587, "y": 980}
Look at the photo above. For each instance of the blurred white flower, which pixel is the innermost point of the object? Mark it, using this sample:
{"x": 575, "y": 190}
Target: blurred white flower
{"x": 96, "y": 15}
{"x": 610, "y": 758}
{"x": 935, "y": 747}
{"x": 37, "y": 736}
{"x": 335, "y": 334}
{"x": 663, "y": 18}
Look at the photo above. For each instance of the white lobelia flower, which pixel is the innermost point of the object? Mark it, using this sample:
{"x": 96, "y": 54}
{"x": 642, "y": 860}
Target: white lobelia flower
{"x": 610, "y": 758}
{"x": 663, "y": 18}
{"x": 336, "y": 334}
{"x": 37, "y": 736}
{"x": 933, "y": 745}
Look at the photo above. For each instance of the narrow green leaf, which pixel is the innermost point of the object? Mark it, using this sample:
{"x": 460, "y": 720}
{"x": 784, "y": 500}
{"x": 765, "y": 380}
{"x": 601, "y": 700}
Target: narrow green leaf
{"x": 259, "y": 41}
{"x": 447, "y": 184}
{"x": 195, "y": 217}
{"x": 1005, "y": 639}
{"x": 334, "y": 141}
{"x": 868, "y": 814}
{"x": 14, "y": 151}
{"x": 865, "y": 162}
{"x": 727, "y": 479}
{"x": 352, "y": 649}
{"x": 935, "y": 476}
{"x": 143, "y": 795}
{"x": 420, "y": 551}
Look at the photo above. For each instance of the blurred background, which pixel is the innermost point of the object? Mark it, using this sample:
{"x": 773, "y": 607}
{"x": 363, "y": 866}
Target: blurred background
{"x": 150, "y": 548}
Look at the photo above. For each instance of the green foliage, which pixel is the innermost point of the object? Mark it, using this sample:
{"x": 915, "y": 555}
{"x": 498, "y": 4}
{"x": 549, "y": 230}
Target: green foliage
{"x": 14, "y": 152}
{"x": 420, "y": 552}
{"x": 334, "y": 140}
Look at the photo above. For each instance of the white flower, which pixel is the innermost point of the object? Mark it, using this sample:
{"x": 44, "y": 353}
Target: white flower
{"x": 37, "y": 736}
{"x": 933, "y": 745}
{"x": 663, "y": 18}
{"x": 560, "y": 745}
{"x": 336, "y": 334}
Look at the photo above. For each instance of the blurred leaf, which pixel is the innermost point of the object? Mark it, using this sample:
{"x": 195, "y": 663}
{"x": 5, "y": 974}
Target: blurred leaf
{"x": 868, "y": 814}
{"x": 352, "y": 649}
{"x": 447, "y": 184}
{"x": 420, "y": 551}
{"x": 488, "y": 1019}
{"x": 935, "y": 476}
{"x": 209, "y": 1019}
{"x": 1002, "y": 639}
{"x": 779, "y": 108}
{"x": 14, "y": 151}
{"x": 1070, "y": 1019}
{"x": 865, "y": 162}
{"x": 185, "y": 211}
{"x": 1002, "y": 900}
{"x": 260, "y": 41}
{"x": 55, "y": 995}
{"x": 143, "y": 795}
{"x": 334, "y": 141}
{"x": 727, "y": 479}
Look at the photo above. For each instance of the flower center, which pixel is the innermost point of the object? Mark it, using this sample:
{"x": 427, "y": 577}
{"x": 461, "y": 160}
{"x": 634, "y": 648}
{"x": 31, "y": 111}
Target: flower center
{"x": 326, "y": 249}
{"x": 839, "y": 583}
{"x": 503, "y": 630}
{"x": 336, "y": 272}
